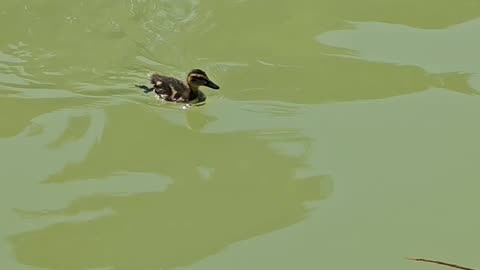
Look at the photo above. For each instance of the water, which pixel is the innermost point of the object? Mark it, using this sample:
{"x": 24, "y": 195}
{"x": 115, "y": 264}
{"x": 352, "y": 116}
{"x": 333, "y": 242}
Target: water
{"x": 344, "y": 135}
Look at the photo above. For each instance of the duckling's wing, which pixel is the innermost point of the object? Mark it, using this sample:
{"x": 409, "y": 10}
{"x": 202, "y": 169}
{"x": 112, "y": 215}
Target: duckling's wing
{"x": 167, "y": 82}
{"x": 157, "y": 79}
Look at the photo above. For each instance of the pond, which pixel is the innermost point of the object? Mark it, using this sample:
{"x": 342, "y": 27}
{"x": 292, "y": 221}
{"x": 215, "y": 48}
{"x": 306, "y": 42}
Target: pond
{"x": 344, "y": 135}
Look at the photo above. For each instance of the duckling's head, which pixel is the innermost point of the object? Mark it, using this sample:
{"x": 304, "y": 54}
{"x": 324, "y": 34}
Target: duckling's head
{"x": 197, "y": 78}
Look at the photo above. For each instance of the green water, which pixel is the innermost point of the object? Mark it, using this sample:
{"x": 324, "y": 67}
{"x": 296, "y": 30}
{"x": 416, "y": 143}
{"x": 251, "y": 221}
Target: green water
{"x": 345, "y": 135}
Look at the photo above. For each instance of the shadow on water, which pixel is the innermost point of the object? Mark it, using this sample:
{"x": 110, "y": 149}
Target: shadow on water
{"x": 287, "y": 63}
{"x": 403, "y": 46}
{"x": 215, "y": 199}
{"x": 340, "y": 80}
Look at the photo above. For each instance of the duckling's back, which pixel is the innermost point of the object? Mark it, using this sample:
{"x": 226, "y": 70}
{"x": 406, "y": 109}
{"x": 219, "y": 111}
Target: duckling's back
{"x": 168, "y": 88}
{"x": 157, "y": 79}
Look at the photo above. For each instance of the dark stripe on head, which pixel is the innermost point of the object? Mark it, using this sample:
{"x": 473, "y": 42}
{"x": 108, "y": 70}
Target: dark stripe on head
{"x": 197, "y": 71}
{"x": 198, "y": 77}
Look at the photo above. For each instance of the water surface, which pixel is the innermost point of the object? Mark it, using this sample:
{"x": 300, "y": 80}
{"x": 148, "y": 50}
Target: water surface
{"x": 344, "y": 135}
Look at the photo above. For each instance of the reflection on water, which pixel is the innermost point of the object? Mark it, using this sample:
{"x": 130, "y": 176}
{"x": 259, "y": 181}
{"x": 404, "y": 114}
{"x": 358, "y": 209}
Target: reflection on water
{"x": 216, "y": 198}
{"x": 434, "y": 51}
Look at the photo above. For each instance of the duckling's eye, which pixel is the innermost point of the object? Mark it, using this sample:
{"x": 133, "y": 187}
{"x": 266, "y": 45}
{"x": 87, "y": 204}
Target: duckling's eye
{"x": 199, "y": 80}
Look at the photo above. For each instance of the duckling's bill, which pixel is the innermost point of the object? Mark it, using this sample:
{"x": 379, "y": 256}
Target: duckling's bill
{"x": 212, "y": 85}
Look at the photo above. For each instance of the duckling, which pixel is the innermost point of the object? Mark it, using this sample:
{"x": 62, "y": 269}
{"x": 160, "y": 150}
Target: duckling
{"x": 172, "y": 89}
